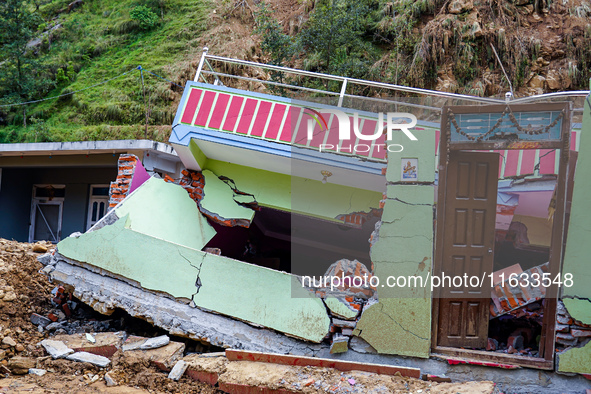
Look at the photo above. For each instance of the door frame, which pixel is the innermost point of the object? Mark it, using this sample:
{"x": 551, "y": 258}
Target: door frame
{"x": 35, "y": 201}
{"x": 547, "y": 346}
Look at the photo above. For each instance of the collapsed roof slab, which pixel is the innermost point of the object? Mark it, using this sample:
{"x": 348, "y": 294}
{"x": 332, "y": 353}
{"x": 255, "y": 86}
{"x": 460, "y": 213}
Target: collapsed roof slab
{"x": 161, "y": 262}
{"x": 105, "y": 293}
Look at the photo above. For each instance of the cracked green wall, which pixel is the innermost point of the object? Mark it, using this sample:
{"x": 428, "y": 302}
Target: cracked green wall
{"x": 578, "y": 247}
{"x": 400, "y": 323}
{"x": 230, "y": 287}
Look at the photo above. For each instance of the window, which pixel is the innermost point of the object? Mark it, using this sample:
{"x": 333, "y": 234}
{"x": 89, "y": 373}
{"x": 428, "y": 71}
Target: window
{"x": 98, "y": 203}
{"x": 46, "y": 213}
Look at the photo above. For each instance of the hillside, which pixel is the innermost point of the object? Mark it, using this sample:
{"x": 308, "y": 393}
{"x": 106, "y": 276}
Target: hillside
{"x": 446, "y": 45}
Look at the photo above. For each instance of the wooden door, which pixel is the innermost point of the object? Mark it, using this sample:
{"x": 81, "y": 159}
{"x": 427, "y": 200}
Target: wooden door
{"x": 468, "y": 245}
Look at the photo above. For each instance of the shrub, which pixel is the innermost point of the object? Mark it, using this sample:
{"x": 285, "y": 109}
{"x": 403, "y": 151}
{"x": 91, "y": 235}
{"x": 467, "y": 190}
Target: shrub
{"x": 145, "y": 17}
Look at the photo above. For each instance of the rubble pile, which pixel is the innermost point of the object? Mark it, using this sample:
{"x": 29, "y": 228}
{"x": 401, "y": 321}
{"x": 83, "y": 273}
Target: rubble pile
{"x": 49, "y": 340}
{"x": 569, "y": 332}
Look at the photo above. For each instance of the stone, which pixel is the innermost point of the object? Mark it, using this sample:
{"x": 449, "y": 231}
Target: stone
{"x": 37, "y": 371}
{"x": 109, "y": 381}
{"x": 56, "y": 349}
{"x": 9, "y": 296}
{"x": 156, "y": 342}
{"x": 178, "y": 370}
{"x": 460, "y": 6}
{"x": 562, "y": 327}
{"x": 85, "y": 357}
{"x": 21, "y": 365}
{"x": 566, "y": 339}
{"x": 516, "y": 341}
{"x": 8, "y": 341}
{"x": 39, "y": 320}
{"x": 37, "y": 248}
{"x": 537, "y": 82}
{"x": 19, "y": 348}
{"x": 564, "y": 319}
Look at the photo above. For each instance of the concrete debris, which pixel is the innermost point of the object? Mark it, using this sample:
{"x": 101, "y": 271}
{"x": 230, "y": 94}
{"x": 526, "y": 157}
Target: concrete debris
{"x": 37, "y": 371}
{"x": 154, "y": 343}
{"x": 105, "y": 343}
{"x": 163, "y": 357}
{"x": 90, "y": 338}
{"x": 340, "y": 344}
{"x": 105, "y": 294}
{"x": 56, "y": 349}
{"x": 178, "y": 370}
{"x": 109, "y": 381}
{"x": 85, "y": 357}
{"x": 39, "y": 320}
{"x": 360, "y": 345}
{"x": 343, "y": 323}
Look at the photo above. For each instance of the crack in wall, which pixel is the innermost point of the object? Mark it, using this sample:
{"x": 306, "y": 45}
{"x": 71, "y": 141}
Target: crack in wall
{"x": 400, "y": 325}
{"x": 409, "y": 203}
{"x": 198, "y": 283}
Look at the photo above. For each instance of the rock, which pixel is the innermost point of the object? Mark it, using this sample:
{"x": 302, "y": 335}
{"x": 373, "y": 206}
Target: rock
{"x": 553, "y": 80}
{"x": 537, "y": 82}
{"x": 580, "y": 333}
{"x": 39, "y": 320}
{"x": 8, "y": 341}
{"x": 9, "y": 296}
{"x": 178, "y": 370}
{"x": 19, "y": 348}
{"x": 21, "y": 365}
{"x": 521, "y": 2}
{"x": 109, "y": 381}
{"x": 105, "y": 343}
{"x": 37, "y": 248}
{"x": 492, "y": 344}
{"x": 37, "y": 372}
{"x": 516, "y": 342}
{"x": 164, "y": 357}
{"x": 56, "y": 349}
{"x": 459, "y": 6}
{"x": 85, "y": 357}
{"x": 156, "y": 342}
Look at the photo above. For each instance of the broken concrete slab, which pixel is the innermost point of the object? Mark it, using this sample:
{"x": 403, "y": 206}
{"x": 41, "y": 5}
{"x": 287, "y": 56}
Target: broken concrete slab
{"x": 340, "y": 308}
{"x": 178, "y": 370}
{"x": 105, "y": 344}
{"x": 578, "y": 309}
{"x": 39, "y": 320}
{"x": 219, "y": 205}
{"x": 164, "y": 210}
{"x": 281, "y": 304}
{"x": 85, "y": 357}
{"x": 164, "y": 357}
{"x": 397, "y": 326}
{"x": 56, "y": 349}
{"x": 204, "y": 368}
{"x": 105, "y": 294}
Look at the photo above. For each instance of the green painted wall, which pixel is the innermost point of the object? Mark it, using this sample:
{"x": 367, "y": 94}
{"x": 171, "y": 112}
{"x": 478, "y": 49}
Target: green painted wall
{"x": 400, "y": 323}
{"x": 165, "y": 210}
{"x": 218, "y": 199}
{"x": 578, "y": 247}
{"x": 580, "y": 310}
{"x": 577, "y": 360}
{"x": 230, "y": 287}
{"x": 273, "y": 190}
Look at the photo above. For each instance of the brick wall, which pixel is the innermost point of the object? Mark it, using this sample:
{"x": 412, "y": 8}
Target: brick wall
{"x": 120, "y": 187}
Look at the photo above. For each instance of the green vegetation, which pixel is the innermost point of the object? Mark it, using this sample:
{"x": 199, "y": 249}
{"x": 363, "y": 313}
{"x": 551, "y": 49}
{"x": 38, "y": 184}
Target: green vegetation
{"x": 48, "y": 50}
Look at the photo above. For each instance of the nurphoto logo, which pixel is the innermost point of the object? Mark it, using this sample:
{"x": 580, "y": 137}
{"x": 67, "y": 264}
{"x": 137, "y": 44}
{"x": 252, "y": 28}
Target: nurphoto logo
{"x": 401, "y": 121}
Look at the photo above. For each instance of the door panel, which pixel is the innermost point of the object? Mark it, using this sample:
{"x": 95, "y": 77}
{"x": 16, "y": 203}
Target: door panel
{"x": 468, "y": 242}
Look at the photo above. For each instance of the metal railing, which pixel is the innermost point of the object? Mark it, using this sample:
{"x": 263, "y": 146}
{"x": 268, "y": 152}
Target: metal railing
{"x": 429, "y": 101}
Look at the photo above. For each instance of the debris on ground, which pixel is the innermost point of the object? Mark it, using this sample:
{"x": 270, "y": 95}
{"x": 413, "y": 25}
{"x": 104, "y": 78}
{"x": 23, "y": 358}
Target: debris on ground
{"x": 50, "y": 341}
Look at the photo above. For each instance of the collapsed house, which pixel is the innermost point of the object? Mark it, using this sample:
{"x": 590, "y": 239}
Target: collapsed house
{"x": 235, "y": 249}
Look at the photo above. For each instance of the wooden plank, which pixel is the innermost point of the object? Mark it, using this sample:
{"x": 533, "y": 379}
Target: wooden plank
{"x": 240, "y": 355}
{"x": 481, "y": 357}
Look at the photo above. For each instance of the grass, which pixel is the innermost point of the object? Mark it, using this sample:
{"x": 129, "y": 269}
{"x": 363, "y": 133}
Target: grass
{"x": 99, "y": 41}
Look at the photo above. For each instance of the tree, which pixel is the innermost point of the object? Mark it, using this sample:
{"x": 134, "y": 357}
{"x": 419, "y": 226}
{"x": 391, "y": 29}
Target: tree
{"x": 21, "y": 74}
